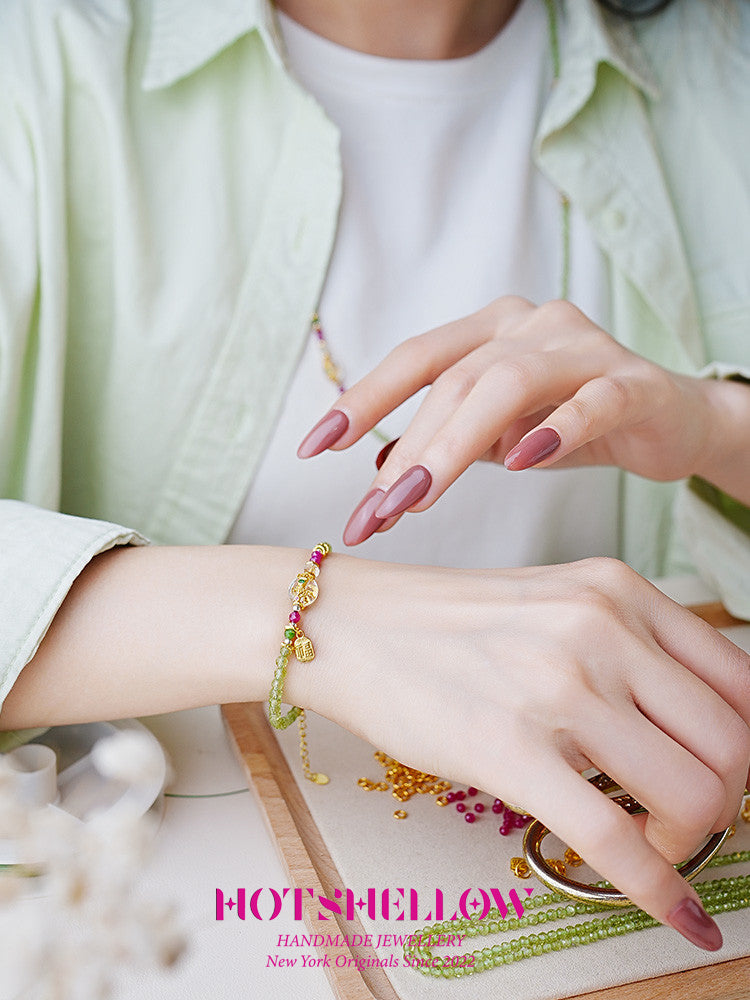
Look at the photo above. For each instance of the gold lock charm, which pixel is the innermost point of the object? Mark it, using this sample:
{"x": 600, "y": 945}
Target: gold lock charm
{"x": 303, "y": 648}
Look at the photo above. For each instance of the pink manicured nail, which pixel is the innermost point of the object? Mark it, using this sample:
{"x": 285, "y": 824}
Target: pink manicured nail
{"x": 325, "y": 433}
{"x": 405, "y": 492}
{"x": 363, "y": 521}
{"x": 532, "y": 449}
{"x": 384, "y": 453}
{"x": 692, "y": 921}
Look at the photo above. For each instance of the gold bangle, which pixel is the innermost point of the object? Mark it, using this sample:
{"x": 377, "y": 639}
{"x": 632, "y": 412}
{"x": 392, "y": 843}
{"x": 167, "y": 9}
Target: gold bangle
{"x": 536, "y": 832}
{"x": 303, "y": 591}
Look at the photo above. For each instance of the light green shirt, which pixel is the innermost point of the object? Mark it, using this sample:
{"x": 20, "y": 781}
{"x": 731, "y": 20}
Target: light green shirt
{"x": 168, "y": 197}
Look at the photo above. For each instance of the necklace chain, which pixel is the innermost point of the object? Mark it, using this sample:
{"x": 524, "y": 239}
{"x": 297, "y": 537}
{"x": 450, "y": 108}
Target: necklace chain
{"x": 333, "y": 370}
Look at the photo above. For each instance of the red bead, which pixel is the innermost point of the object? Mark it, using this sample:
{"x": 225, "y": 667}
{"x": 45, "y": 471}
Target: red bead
{"x": 469, "y": 817}
{"x": 460, "y": 807}
{"x": 479, "y": 807}
{"x": 451, "y": 796}
{"x": 316, "y": 557}
{"x": 505, "y": 829}
{"x": 294, "y": 617}
{"x": 519, "y": 820}
{"x": 497, "y": 807}
{"x": 471, "y": 790}
{"x": 460, "y": 796}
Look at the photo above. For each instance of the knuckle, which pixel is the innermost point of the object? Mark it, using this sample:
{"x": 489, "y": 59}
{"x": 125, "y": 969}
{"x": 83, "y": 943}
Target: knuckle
{"x": 409, "y": 353}
{"x": 616, "y": 390}
{"x": 707, "y": 805}
{"x": 560, "y": 312}
{"x": 734, "y": 753}
{"x": 456, "y": 382}
{"x": 605, "y": 573}
{"x": 583, "y": 414}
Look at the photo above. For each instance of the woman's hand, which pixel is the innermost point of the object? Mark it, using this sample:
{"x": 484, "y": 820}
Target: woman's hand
{"x": 533, "y": 386}
{"x": 513, "y": 681}
{"x": 516, "y": 681}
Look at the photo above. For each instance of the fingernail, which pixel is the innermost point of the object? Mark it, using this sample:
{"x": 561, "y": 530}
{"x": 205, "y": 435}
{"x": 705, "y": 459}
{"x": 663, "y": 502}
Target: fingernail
{"x": 325, "y": 433}
{"x": 384, "y": 453}
{"x": 692, "y": 921}
{"x": 532, "y": 449}
{"x": 363, "y": 521}
{"x": 405, "y": 492}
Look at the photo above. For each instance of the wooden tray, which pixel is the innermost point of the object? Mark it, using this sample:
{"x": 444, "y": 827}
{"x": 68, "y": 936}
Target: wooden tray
{"x": 308, "y": 863}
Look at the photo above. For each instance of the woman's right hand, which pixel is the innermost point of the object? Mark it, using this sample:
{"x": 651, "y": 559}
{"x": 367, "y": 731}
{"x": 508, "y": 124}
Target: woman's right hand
{"x": 517, "y": 681}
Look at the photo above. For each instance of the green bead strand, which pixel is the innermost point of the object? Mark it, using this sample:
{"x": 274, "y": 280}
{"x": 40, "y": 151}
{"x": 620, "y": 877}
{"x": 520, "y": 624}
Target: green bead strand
{"x": 718, "y": 896}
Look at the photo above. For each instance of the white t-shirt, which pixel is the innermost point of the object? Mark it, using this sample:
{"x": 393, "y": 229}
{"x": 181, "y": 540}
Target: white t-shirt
{"x": 442, "y": 212}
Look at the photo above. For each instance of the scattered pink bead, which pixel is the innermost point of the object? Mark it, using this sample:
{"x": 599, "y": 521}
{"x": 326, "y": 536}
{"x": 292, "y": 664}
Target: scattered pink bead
{"x": 497, "y": 807}
{"x": 479, "y": 807}
{"x": 460, "y": 796}
{"x": 460, "y": 807}
{"x": 451, "y": 797}
{"x": 469, "y": 817}
{"x": 294, "y": 617}
{"x": 505, "y": 830}
{"x": 519, "y": 820}
{"x": 471, "y": 790}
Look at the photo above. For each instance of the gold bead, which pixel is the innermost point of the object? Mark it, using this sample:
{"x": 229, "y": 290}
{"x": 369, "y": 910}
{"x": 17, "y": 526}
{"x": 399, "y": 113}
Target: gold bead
{"x": 441, "y": 800}
{"x": 572, "y": 858}
{"x": 400, "y": 814}
{"x": 520, "y": 867}
{"x": 556, "y": 865}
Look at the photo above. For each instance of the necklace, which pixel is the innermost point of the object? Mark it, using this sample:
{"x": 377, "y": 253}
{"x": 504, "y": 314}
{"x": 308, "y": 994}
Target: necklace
{"x": 334, "y": 372}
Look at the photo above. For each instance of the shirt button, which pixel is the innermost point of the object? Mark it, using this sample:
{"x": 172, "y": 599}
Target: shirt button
{"x": 614, "y": 219}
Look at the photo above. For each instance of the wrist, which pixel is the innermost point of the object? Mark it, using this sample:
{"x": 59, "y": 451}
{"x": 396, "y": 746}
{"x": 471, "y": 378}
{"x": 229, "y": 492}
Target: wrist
{"x": 724, "y": 459}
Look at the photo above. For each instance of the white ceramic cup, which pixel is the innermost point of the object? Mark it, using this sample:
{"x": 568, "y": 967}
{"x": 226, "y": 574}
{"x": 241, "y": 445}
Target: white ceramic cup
{"x": 35, "y": 768}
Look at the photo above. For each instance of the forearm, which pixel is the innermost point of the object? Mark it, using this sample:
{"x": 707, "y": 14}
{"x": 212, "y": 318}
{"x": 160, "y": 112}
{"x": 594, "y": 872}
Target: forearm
{"x": 725, "y": 460}
{"x": 146, "y": 630}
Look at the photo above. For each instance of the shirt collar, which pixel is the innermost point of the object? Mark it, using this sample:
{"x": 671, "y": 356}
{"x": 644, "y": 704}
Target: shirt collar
{"x": 186, "y": 34}
{"x": 592, "y": 37}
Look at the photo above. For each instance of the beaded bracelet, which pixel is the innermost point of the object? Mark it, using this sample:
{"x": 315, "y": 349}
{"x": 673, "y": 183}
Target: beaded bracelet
{"x": 303, "y": 591}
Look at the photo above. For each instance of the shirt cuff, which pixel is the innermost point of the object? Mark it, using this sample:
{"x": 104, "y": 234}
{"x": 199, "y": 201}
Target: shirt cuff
{"x": 720, "y": 550}
{"x": 41, "y": 554}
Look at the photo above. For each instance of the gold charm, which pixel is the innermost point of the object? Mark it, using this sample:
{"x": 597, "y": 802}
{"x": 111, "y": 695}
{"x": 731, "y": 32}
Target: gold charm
{"x": 303, "y": 648}
{"x": 303, "y": 591}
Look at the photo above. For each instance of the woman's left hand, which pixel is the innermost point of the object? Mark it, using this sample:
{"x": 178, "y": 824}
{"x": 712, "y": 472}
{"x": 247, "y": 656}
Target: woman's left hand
{"x": 525, "y": 386}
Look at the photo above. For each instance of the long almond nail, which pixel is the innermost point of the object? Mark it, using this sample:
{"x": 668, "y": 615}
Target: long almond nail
{"x": 692, "y": 921}
{"x": 363, "y": 521}
{"x": 325, "y": 433}
{"x": 405, "y": 492}
{"x": 538, "y": 445}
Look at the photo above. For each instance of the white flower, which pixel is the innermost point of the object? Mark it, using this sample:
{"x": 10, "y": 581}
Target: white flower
{"x": 128, "y": 756}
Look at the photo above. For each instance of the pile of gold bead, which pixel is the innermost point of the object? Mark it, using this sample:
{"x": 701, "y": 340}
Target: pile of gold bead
{"x": 403, "y": 782}
{"x": 520, "y": 866}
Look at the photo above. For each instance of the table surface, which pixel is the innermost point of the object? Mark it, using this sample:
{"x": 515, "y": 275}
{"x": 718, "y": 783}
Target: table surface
{"x": 212, "y": 835}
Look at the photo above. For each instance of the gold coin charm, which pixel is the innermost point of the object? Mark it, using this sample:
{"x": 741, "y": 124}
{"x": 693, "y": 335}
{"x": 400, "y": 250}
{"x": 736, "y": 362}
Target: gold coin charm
{"x": 303, "y": 591}
{"x": 303, "y": 648}
{"x": 320, "y": 779}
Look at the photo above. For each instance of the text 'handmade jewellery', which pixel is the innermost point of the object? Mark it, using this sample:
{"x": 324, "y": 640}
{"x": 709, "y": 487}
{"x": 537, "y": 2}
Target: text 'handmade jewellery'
{"x": 303, "y": 591}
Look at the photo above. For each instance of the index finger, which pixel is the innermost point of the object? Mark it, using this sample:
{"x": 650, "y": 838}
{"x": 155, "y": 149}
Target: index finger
{"x": 613, "y": 843}
{"x": 409, "y": 367}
